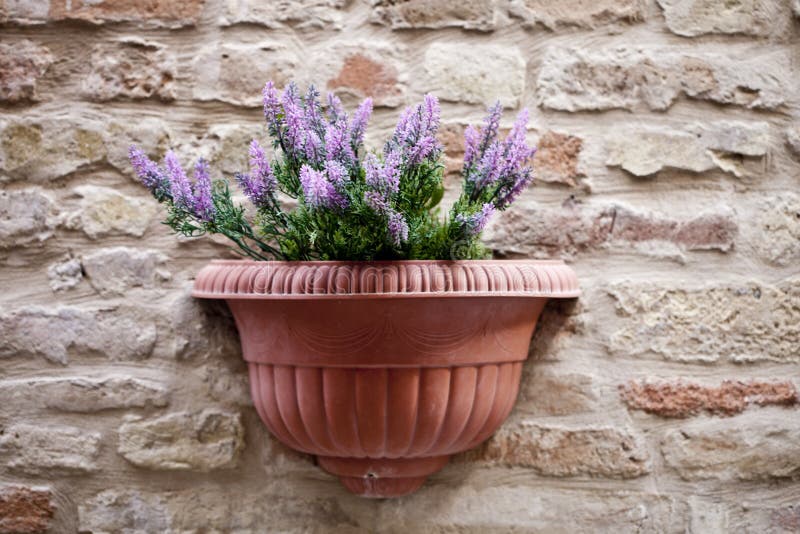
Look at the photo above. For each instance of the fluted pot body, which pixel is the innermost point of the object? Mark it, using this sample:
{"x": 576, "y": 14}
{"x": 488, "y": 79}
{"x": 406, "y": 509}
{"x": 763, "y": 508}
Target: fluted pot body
{"x": 383, "y": 370}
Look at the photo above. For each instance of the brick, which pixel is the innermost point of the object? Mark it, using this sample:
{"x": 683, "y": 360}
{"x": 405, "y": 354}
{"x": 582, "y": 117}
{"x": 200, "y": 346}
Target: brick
{"x": 559, "y": 451}
{"x": 211, "y": 507}
{"x": 155, "y": 13}
{"x": 368, "y": 70}
{"x": 739, "y": 148}
{"x": 772, "y": 516}
{"x": 300, "y": 14}
{"x": 200, "y": 441}
{"x": 573, "y": 228}
{"x": 469, "y": 14}
{"x": 684, "y": 399}
{"x": 557, "y": 159}
{"x": 520, "y": 507}
{"x": 42, "y": 449}
{"x": 84, "y": 394}
{"x": 26, "y": 510}
{"x": 27, "y": 217}
{"x": 596, "y": 78}
{"x": 225, "y": 384}
{"x": 104, "y": 211}
{"x": 744, "y": 322}
{"x": 132, "y": 69}
{"x": 759, "y": 18}
{"x": 236, "y": 72}
{"x": 475, "y": 74}
{"x": 21, "y": 65}
{"x": 574, "y": 13}
{"x": 747, "y": 447}
{"x": 227, "y": 145}
{"x": 57, "y": 333}
{"x": 113, "y": 271}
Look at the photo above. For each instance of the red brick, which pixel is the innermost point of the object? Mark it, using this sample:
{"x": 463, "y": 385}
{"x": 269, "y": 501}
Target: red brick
{"x": 366, "y": 77}
{"x": 681, "y": 399}
{"x": 25, "y": 510}
{"x": 557, "y": 158}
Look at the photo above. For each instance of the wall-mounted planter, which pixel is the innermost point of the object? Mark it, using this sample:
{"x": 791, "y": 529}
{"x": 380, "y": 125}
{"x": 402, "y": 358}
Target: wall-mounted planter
{"x": 383, "y": 370}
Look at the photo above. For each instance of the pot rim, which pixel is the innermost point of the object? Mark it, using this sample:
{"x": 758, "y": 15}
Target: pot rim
{"x": 394, "y": 279}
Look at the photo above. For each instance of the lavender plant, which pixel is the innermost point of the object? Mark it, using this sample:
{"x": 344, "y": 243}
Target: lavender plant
{"x": 350, "y": 204}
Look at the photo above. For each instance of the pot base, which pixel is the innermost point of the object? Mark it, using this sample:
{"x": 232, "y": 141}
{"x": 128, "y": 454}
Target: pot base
{"x": 380, "y": 478}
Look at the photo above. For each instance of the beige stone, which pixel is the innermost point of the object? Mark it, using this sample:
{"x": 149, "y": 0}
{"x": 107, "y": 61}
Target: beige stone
{"x": 738, "y": 322}
{"x": 236, "y": 72}
{"x": 739, "y": 148}
{"x": 747, "y": 447}
{"x": 475, "y": 74}
{"x": 561, "y": 451}
{"x": 495, "y": 506}
{"x": 21, "y": 65}
{"x": 58, "y": 333}
{"x": 761, "y": 18}
{"x": 113, "y": 271}
{"x": 200, "y": 441}
{"x": 555, "y": 15}
{"x": 105, "y": 212}
{"x": 134, "y": 68}
{"x": 27, "y": 217}
{"x": 44, "y": 449}
{"x": 648, "y": 77}
{"x": 84, "y": 394}
{"x": 467, "y": 14}
{"x": 776, "y": 234}
{"x": 300, "y": 14}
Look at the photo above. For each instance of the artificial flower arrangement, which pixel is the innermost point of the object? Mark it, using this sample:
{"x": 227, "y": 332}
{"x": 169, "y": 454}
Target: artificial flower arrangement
{"x": 351, "y": 204}
{"x": 366, "y": 345}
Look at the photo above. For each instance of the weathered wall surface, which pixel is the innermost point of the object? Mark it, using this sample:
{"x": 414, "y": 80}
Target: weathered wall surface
{"x": 664, "y": 400}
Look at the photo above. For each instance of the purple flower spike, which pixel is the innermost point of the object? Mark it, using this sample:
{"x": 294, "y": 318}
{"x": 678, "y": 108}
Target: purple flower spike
{"x": 203, "y": 201}
{"x": 491, "y": 124}
{"x": 430, "y": 115}
{"x": 360, "y": 120}
{"x": 272, "y": 108}
{"x": 337, "y": 174}
{"x": 335, "y": 109}
{"x": 398, "y": 228}
{"x": 474, "y": 224}
{"x": 259, "y": 185}
{"x": 337, "y": 144}
{"x": 180, "y": 187}
{"x": 147, "y": 170}
{"x": 471, "y": 142}
{"x": 318, "y": 191}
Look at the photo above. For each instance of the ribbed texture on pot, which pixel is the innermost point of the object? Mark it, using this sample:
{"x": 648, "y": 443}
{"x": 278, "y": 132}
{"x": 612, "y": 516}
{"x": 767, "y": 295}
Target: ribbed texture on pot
{"x": 254, "y": 279}
{"x": 384, "y": 413}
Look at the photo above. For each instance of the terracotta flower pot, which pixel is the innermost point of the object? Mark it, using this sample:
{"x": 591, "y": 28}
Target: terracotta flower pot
{"x": 383, "y": 370}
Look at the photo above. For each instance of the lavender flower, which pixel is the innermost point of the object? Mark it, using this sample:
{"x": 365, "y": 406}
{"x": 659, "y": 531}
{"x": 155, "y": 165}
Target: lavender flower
{"x": 337, "y": 174}
{"x": 471, "y": 142}
{"x": 259, "y": 185}
{"x": 376, "y": 201}
{"x": 318, "y": 191}
{"x": 147, "y": 170}
{"x": 475, "y": 223}
{"x": 384, "y": 178}
{"x": 272, "y": 109}
{"x": 491, "y": 125}
{"x": 337, "y": 143}
{"x": 203, "y": 200}
{"x": 335, "y": 109}
{"x": 359, "y": 125}
{"x": 313, "y": 111}
{"x": 398, "y": 228}
{"x": 180, "y": 188}
{"x": 415, "y": 134}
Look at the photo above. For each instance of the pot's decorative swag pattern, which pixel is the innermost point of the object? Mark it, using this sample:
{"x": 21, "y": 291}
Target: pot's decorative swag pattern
{"x": 383, "y": 370}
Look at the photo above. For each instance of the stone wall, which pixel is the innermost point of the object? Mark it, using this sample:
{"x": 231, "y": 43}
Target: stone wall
{"x": 664, "y": 400}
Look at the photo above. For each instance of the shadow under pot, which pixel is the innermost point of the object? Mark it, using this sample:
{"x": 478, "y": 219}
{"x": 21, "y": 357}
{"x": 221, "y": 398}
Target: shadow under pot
{"x": 383, "y": 370}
